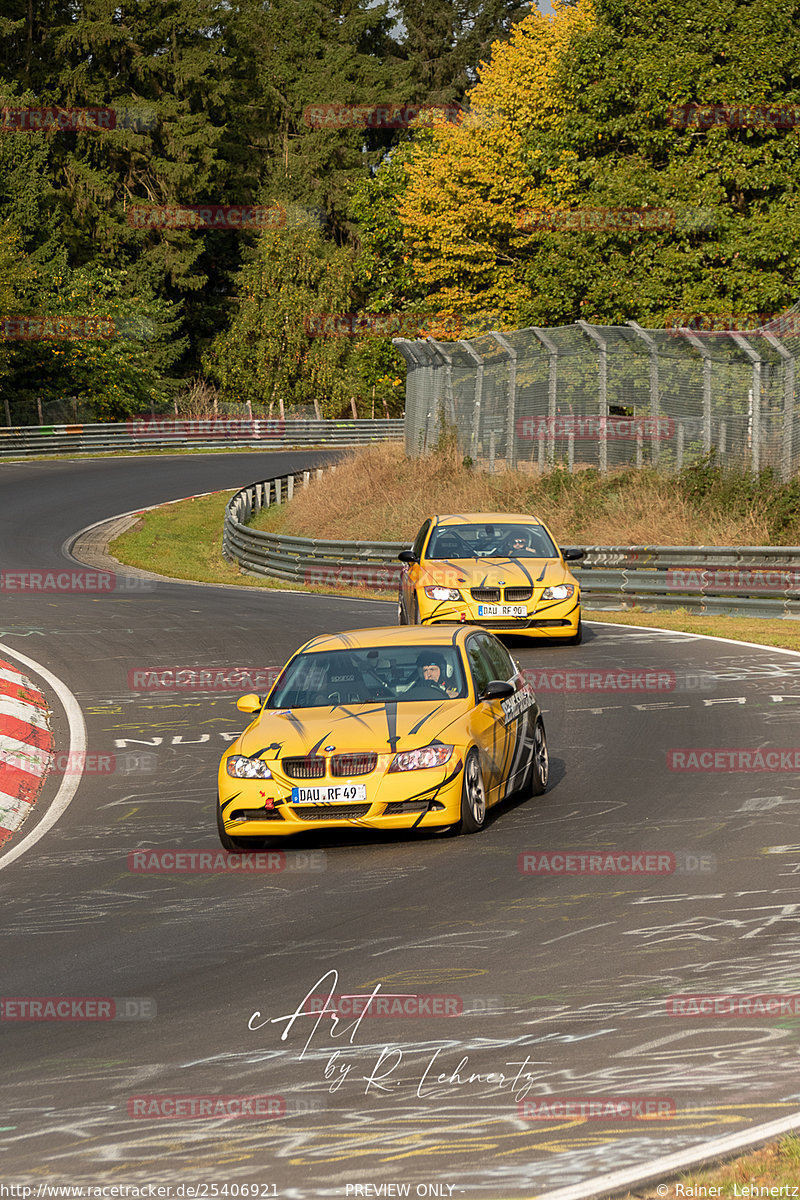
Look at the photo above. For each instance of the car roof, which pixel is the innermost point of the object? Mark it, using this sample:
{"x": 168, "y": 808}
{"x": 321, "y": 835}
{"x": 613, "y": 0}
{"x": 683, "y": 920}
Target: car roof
{"x": 440, "y": 636}
{"x": 482, "y": 518}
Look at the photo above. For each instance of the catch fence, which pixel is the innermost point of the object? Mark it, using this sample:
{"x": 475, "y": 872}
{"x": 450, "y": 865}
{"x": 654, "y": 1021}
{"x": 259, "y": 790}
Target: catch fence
{"x": 609, "y": 396}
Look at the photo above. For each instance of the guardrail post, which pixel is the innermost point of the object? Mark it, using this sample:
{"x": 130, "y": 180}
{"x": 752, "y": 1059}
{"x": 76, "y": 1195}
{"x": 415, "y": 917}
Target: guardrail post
{"x": 289, "y": 486}
{"x": 788, "y": 403}
{"x": 306, "y": 478}
{"x": 602, "y": 384}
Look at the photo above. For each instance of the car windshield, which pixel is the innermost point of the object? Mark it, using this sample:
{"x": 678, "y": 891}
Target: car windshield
{"x": 370, "y": 675}
{"x": 494, "y": 539}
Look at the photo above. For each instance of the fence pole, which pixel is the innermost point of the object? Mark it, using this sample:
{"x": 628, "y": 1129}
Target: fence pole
{"x": 703, "y": 350}
{"x": 755, "y": 407}
{"x": 602, "y": 384}
{"x": 655, "y": 399}
{"x": 476, "y": 412}
{"x": 788, "y": 402}
{"x": 552, "y": 388}
{"x": 449, "y": 404}
{"x": 511, "y": 432}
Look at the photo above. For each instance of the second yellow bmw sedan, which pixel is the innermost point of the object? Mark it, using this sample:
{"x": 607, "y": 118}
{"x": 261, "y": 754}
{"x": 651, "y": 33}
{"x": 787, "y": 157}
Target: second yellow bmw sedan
{"x": 383, "y": 729}
{"x": 500, "y": 570}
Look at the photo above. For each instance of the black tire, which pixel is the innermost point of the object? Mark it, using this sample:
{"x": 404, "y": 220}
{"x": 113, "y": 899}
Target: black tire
{"x": 401, "y": 611}
{"x": 577, "y": 637}
{"x": 237, "y": 845}
{"x": 540, "y": 760}
{"x": 473, "y": 796}
{"x": 414, "y": 618}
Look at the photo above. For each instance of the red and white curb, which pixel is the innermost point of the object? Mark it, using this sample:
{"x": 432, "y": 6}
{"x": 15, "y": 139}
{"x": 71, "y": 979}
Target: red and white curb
{"x": 18, "y": 755}
{"x": 26, "y": 747}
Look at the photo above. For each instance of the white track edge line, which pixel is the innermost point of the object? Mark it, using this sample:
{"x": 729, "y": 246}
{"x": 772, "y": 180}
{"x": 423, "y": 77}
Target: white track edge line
{"x": 712, "y": 637}
{"x": 672, "y": 1163}
{"x": 77, "y": 745}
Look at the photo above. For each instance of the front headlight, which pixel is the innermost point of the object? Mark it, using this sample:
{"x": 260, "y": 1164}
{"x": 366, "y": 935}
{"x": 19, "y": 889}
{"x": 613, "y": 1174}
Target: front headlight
{"x": 241, "y": 767}
{"x": 562, "y": 591}
{"x": 417, "y": 760}
{"x": 442, "y": 593}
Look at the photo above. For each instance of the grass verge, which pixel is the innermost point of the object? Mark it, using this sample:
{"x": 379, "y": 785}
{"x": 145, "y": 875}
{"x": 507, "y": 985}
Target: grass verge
{"x": 776, "y": 1165}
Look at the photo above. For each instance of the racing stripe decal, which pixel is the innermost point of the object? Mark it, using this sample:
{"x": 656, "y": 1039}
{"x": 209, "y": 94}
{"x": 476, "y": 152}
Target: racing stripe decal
{"x": 416, "y": 728}
{"x": 391, "y": 723}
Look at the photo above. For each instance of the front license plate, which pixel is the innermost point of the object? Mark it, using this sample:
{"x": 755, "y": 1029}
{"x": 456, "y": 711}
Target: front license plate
{"x": 329, "y": 795}
{"x": 502, "y": 610}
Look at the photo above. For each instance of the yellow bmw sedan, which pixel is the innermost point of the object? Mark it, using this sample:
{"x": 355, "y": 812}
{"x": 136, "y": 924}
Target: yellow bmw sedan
{"x": 383, "y": 729}
{"x": 499, "y": 570}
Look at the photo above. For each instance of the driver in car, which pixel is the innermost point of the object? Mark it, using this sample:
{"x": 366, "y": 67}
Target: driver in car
{"x": 432, "y": 671}
{"x": 516, "y": 543}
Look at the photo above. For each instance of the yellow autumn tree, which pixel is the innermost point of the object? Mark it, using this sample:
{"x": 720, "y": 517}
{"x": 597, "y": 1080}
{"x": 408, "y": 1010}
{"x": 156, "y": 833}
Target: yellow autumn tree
{"x": 470, "y": 183}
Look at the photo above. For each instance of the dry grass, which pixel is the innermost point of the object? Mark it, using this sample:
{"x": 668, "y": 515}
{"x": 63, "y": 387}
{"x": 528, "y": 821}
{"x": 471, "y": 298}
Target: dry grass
{"x": 377, "y": 494}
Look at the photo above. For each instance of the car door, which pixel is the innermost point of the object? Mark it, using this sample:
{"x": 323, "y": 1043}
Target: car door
{"x": 520, "y": 712}
{"x": 488, "y": 725}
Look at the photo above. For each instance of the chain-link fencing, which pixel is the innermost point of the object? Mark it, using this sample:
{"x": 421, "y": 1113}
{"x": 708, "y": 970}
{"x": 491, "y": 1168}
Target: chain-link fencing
{"x": 608, "y": 396}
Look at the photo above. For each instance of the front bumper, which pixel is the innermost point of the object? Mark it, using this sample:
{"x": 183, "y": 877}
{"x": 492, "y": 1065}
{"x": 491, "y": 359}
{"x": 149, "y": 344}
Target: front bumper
{"x": 550, "y": 618}
{"x": 425, "y": 799}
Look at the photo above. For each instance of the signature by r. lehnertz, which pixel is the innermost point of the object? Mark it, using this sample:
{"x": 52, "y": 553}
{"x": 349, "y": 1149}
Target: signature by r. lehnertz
{"x": 345, "y": 1064}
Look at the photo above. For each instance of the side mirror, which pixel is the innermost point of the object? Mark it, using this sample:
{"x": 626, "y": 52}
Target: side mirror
{"x": 497, "y": 690}
{"x": 572, "y": 554}
{"x": 250, "y": 703}
{"x": 407, "y": 556}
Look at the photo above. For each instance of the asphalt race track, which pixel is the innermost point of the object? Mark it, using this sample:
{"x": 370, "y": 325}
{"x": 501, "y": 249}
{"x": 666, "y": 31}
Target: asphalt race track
{"x": 558, "y": 983}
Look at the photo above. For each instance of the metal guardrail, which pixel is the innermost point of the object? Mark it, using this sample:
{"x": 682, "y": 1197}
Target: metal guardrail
{"x": 746, "y": 580}
{"x": 171, "y": 433}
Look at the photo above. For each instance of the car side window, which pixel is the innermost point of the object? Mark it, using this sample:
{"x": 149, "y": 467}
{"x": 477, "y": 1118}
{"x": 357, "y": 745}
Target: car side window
{"x": 480, "y": 665}
{"x": 419, "y": 540}
{"x": 501, "y": 662}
